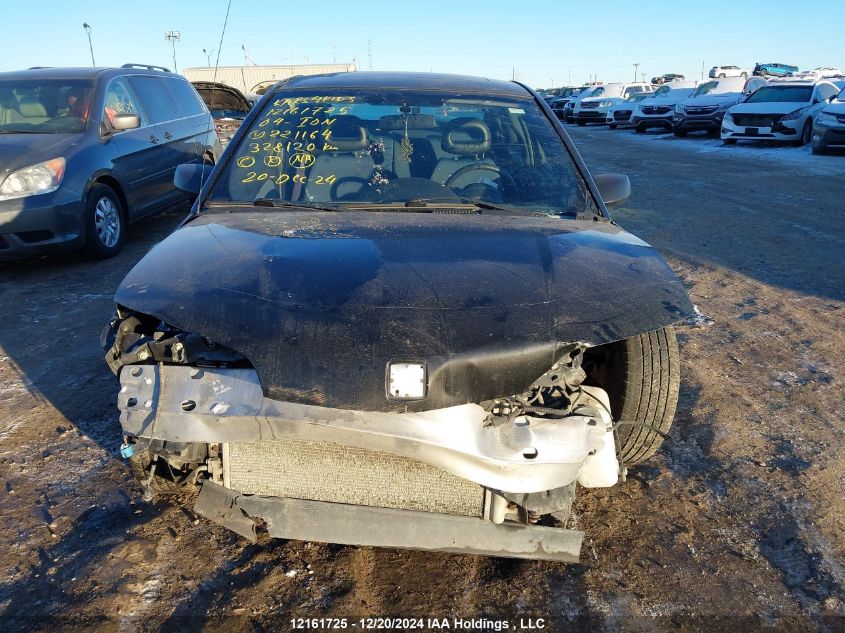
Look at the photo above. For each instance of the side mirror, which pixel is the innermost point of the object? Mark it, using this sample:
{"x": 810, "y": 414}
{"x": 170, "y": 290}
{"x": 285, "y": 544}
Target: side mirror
{"x": 613, "y": 188}
{"x": 126, "y": 122}
{"x": 189, "y": 176}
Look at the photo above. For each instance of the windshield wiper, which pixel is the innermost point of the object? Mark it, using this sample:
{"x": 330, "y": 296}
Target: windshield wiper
{"x": 274, "y": 202}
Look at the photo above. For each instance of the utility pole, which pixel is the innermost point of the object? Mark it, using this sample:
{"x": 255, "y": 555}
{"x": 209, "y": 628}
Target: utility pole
{"x": 173, "y": 37}
{"x": 636, "y": 66}
{"x": 369, "y": 54}
{"x": 643, "y": 76}
{"x": 87, "y": 28}
{"x": 208, "y": 55}
{"x": 334, "y": 54}
{"x": 702, "y": 70}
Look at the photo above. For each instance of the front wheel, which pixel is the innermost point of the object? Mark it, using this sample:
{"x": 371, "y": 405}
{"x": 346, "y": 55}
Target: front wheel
{"x": 612, "y": 126}
{"x": 641, "y": 375}
{"x": 104, "y": 223}
{"x": 807, "y": 132}
{"x": 729, "y": 141}
{"x": 581, "y": 123}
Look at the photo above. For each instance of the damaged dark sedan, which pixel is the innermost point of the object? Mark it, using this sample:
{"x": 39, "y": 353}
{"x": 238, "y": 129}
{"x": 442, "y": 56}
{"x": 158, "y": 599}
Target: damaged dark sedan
{"x": 398, "y": 315}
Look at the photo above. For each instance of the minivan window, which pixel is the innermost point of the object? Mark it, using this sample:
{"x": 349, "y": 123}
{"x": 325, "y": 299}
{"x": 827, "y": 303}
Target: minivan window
{"x": 120, "y": 99}
{"x": 186, "y": 97}
{"x": 44, "y": 106}
{"x": 157, "y": 103}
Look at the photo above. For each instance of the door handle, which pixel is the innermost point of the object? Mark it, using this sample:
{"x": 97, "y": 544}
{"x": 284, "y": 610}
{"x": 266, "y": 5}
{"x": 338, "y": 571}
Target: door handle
{"x": 153, "y": 139}
{"x": 168, "y": 135}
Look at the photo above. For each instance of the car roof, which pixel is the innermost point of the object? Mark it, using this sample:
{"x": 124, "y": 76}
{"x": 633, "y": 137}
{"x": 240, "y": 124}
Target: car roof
{"x": 407, "y": 80}
{"x": 76, "y": 73}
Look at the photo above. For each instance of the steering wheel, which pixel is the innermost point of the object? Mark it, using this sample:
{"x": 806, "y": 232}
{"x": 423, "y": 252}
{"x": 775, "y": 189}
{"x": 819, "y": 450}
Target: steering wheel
{"x": 481, "y": 167}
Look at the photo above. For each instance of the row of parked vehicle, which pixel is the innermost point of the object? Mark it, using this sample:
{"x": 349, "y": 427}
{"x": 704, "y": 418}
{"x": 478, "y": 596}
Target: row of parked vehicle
{"x": 789, "y": 109}
{"x": 85, "y": 151}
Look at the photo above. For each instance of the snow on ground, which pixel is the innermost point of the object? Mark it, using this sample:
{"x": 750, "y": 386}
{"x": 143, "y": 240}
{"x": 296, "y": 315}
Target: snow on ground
{"x": 832, "y": 164}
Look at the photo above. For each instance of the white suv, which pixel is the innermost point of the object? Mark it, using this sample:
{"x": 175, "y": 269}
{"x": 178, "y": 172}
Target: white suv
{"x": 781, "y": 111}
{"x": 720, "y": 72}
{"x": 594, "y": 109}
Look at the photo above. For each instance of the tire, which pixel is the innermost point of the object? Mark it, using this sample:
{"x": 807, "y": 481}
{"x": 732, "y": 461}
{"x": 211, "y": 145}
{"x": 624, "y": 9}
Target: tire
{"x": 160, "y": 483}
{"x": 639, "y": 129}
{"x": 581, "y": 123}
{"x": 641, "y": 375}
{"x": 819, "y": 150}
{"x": 721, "y": 75}
{"x": 612, "y": 126}
{"x": 713, "y": 133}
{"x": 729, "y": 141}
{"x": 679, "y": 133}
{"x": 105, "y": 223}
{"x": 806, "y": 133}
{"x": 744, "y": 75}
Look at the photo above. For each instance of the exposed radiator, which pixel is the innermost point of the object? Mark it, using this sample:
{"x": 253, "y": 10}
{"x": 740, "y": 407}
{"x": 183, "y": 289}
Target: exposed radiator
{"x": 322, "y": 471}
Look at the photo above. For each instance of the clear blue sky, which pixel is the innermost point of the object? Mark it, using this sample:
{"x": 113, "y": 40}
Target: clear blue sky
{"x": 543, "y": 41}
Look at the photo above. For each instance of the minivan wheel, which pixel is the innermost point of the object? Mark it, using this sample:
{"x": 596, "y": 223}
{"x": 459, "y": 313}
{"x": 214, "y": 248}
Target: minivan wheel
{"x": 641, "y": 375}
{"x": 104, "y": 223}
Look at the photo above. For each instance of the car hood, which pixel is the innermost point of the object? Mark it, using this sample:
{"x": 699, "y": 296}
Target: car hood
{"x": 320, "y": 303}
{"x": 22, "y": 150}
{"x": 713, "y": 99}
{"x": 668, "y": 100}
{"x": 837, "y": 107}
{"x": 764, "y": 107}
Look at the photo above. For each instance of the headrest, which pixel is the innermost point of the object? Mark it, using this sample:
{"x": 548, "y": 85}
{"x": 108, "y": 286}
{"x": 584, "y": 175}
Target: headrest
{"x": 349, "y": 134}
{"x": 467, "y": 136}
{"x": 415, "y": 122}
{"x": 30, "y": 107}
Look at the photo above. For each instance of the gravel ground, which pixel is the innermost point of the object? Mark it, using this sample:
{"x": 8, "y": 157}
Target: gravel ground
{"x": 738, "y": 524}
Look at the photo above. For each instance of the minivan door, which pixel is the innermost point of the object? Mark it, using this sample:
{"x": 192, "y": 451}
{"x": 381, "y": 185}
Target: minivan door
{"x": 138, "y": 161}
{"x": 163, "y": 115}
{"x": 194, "y": 126}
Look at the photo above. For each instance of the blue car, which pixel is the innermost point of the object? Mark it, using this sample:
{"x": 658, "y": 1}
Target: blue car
{"x": 775, "y": 70}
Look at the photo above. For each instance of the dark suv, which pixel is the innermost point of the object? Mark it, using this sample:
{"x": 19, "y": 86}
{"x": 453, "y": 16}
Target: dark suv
{"x": 84, "y": 151}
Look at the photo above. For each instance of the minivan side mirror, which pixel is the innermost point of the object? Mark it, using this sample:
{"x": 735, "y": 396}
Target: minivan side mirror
{"x": 613, "y": 188}
{"x": 126, "y": 121}
{"x": 190, "y": 176}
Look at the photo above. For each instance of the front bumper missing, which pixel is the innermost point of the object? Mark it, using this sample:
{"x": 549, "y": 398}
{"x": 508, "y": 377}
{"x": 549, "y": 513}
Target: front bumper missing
{"x": 301, "y": 519}
{"x": 213, "y": 405}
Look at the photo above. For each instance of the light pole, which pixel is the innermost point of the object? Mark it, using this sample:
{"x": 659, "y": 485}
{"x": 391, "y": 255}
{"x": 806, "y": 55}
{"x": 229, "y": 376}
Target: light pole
{"x": 208, "y": 55}
{"x": 635, "y": 71}
{"x": 87, "y": 28}
{"x": 173, "y": 37}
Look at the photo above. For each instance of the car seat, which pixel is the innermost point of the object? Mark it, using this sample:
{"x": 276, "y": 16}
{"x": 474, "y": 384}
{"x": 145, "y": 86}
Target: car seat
{"x": 467, "y": 140}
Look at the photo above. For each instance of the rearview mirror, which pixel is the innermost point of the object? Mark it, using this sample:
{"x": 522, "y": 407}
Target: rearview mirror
{"x": 613, "y": 188}
{"x": 190, "y": 176}
{"x": 126, "y": 121}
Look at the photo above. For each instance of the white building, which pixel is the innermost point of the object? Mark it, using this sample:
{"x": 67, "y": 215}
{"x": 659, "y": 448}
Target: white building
{"x": 250, "y": 79}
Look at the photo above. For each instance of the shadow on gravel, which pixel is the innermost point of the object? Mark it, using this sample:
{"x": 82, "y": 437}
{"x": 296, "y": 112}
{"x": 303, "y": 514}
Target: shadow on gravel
{"x": 777, "y": 219}
{"x": 37, "y": 601}
{"x": 54, "y": 310}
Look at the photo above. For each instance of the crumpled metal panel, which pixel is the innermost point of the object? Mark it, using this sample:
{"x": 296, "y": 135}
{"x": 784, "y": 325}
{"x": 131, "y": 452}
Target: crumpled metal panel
{"x": 320, "y": 303}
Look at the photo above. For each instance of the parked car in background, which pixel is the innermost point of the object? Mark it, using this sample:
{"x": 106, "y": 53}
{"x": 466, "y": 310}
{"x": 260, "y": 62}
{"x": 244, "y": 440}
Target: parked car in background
{"x": 656, "y": 109}
{"x": 459, "y": 423}
{"x": 228, "y": 107}
{"x": 829, "y": 126}
{"x": 620, "y": 114}
{"x": 780, "y": 111}
{"x": 775, "y": 70}
{"x": 586, "y": 91}
{"x": 593, "y": 109}
{"x": 565, "y": 96}
{"x": 721, "y": 72}
{"x": 667, "y": 78}
{"x": 826, "y": 72}
{"x": 85, "y": 151}
{"x": 703, "y": 110}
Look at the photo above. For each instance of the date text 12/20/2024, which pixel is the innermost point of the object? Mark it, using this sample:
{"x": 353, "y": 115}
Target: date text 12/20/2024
{"x": 418, "y": 624}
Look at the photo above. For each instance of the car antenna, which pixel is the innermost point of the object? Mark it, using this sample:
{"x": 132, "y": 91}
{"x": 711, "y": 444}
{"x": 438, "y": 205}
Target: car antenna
{"x": 214, "y": 87}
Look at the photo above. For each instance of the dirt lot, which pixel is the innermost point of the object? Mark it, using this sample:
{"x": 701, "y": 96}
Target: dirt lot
{"x": 739, "y": 524}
